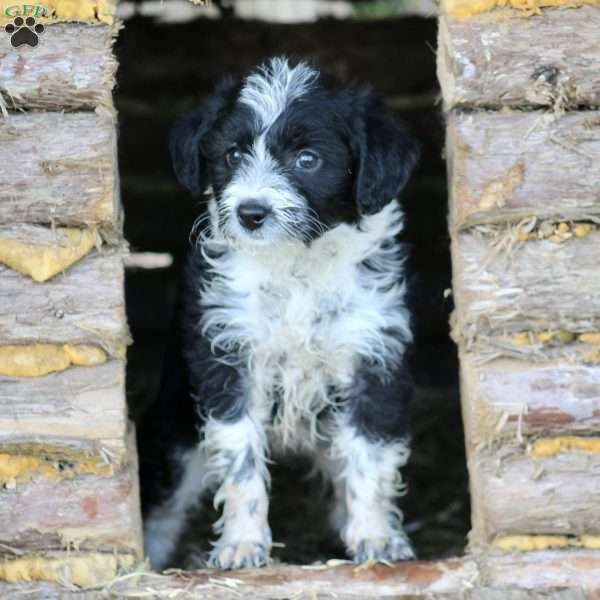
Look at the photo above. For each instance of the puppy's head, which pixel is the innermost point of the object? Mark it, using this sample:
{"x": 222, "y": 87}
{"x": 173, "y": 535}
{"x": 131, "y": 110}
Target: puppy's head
{"x": 289, "y": 154}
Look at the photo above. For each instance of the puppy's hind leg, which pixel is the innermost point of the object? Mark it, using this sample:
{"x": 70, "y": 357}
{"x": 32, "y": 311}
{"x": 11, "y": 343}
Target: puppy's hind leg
{"x": 237, "y": 463}
{"x": 164, "y": 522}
{"x": 330, "y": 470}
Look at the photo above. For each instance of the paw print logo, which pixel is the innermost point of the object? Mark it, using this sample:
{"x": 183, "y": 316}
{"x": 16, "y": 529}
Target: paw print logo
{"x": 24, "y": 31}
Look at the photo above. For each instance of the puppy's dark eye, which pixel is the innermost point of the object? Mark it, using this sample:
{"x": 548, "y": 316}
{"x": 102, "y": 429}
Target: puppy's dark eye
{"x": 307, "y": 160}
{"x": 233, "y": 157}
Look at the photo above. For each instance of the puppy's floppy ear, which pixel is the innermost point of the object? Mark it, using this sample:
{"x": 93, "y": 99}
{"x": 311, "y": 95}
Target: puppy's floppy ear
{"x": 188, "y": 133}
{"x": 387, "y": 155}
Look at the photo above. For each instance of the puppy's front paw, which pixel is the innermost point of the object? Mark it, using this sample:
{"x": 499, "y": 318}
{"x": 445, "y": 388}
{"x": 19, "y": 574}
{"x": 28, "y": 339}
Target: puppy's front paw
{"x": 241, "y": 555}
{"x": 389, "y": 549}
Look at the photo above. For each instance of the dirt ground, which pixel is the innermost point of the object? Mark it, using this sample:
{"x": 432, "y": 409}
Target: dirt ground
{"x": 167, "y": 69}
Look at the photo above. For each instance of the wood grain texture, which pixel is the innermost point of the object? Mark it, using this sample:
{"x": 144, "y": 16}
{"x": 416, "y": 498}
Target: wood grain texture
{"x": 490, "y": 61}
{"x": 82, "y": 408}
{"x": 73, "y": 67}
{"x": 513, "y": 492}
{"x": 57, "y": 497}
{"x": 506, "y": 166}
{"x": 506, "y": 286}
{"x": 545, "y": 571}
{"x": 510, "y": 400}
{"x": 287, "y": 581}
{"x": 88, "y": 510}
{"x": 59, "y": 168}
{"x": 531, "y": 576}
{"x": 84, "y": 305}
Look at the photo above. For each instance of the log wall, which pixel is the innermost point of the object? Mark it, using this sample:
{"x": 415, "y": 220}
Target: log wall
{"x": 523, "y": 144}
{"x": 69, "y": 501}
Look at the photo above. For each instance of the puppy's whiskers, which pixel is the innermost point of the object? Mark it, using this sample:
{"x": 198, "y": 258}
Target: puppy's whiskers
{"x": 200, "y": 229}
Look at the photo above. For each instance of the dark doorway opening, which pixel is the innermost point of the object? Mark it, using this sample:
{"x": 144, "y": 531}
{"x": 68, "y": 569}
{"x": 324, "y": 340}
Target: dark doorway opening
{"x": 166, "y": 69}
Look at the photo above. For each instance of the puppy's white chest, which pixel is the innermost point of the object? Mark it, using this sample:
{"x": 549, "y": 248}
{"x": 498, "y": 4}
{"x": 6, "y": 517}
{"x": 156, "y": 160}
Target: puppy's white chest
{"x": 301, "y": 320}
{"x": 299, "y": 325}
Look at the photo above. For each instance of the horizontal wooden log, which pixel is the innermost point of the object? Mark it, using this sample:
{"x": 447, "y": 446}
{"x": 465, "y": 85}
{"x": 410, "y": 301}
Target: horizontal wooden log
{"x": 85, "y": 305}
{"x": 503, "y": 286}
{"x": 73, "y": 67}
{"x": 88, "y": 513}
{"x": 54, "y": 499}
{"x": 511, "y": 399}
{"x": 82, "y": 408}
{"x": 514, "y": 492}
{"x": 495, "y": 62}
{"x": 348, "y": 581}
{"x": 545, "y": 570}
{"x": 535, "y": 576}
{"x": 86, "y": 11}
{"x": 507, "y": 166}
{"x": 553, "y": 346}
{"x": 59, "y": 168}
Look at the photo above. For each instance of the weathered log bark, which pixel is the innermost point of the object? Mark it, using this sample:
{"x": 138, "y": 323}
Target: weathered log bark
{"x": 545, "y": 570}
{"x": 507, "y": 166}
{"x": 56, "y": 502}
{"x": 504, "y": 286}
{"x": 73, "y": 67}
{"x": 85, "y": 305}
{"x": 82, "y": 408}
{"x": 285, "y": 581}
{"x": 513, "y": 491}
{"x": 531, "y": 576}
{"x": 552, "y": 346}
{"x": 510, "y": 399}
{"x": 87, "y": 512}
{"x": 494, "y": 61}
{"x": 59, "y": 168}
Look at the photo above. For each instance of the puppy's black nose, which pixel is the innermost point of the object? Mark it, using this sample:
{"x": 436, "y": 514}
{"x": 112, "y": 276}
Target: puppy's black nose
{"x": 252, "y": 214}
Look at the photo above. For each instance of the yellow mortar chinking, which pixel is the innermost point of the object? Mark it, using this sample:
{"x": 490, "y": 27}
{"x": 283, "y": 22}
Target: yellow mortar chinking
{"x": 544, "y": 447}
{"x": 555, "y": 232}
{"x": 528, "y": 338}
{"x": 464, "y": 9}
{"x": 47, "y": 11}
{"x": 43, "y": 261}
{"x": 35, "y": 360}
{"x": 84, "y": 570}
{"x": 16, "y": 468}
{"x": 592, "y": 337}
{"x": 529, "y": 543}
{"x": 592, "y": 358}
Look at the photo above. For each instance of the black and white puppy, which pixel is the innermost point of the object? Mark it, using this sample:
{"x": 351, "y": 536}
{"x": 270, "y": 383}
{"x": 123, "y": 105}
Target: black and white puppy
{"x": 293, "y": 325}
